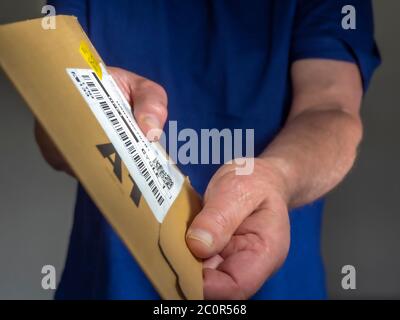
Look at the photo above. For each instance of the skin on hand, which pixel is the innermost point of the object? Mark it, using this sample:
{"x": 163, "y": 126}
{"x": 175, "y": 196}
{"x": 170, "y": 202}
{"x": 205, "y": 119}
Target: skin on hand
{"x": 243, "y": 230}
{"x": 150, "y": 111}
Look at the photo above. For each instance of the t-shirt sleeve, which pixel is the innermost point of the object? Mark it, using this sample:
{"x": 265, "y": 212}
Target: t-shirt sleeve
{"x": 77, "y": 8}
{"x": 318, "y": 33}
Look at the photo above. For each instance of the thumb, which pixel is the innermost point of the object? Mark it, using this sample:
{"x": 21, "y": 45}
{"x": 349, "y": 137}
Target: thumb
{"x": 149, "y": 101}
{"x": 227, "y": 202}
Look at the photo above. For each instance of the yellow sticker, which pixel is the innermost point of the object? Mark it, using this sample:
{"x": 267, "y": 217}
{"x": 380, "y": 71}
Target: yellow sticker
{"x": 90, "y": 58}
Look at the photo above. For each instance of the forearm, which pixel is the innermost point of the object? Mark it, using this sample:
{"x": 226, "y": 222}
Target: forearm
{"x": 314, "y": 151}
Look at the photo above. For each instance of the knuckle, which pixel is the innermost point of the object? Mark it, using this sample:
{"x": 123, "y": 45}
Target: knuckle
{"x": 277, "y": 249}
{"x": 157, "y": 99}
{"x": 219, "y": 218}
{"x": 160, "y": 110}
{"x": 267, "y": 247}
{"x": 239, "y": 186}
{"x": 156, "y": 88}
{"x": 159, "y": 89}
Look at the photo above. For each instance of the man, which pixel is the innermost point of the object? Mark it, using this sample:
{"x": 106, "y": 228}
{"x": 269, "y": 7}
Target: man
{"x": 288, "y": 69}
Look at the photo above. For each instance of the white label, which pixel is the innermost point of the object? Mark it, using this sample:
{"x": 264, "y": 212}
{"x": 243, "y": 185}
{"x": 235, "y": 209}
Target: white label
{"x": 159, "y": 181}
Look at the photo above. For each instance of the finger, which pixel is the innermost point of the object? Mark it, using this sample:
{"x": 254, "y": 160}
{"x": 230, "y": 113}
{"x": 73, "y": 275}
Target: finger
{"x": 150, "y": 108}
{"x": 49, "y": 150}
{"x": 219, "y": 286}
{"x": 149, "y": 101}
{"x": 229, "y": 199}
{"x": 213, "y": 262}
{"x": 251, "y": 257}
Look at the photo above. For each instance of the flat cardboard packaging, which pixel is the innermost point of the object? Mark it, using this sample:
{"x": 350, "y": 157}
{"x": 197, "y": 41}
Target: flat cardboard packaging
{"x": 35, "y": 60}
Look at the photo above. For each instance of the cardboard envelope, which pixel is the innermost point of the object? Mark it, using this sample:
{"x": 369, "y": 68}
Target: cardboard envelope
{"x": 48, "y": 68}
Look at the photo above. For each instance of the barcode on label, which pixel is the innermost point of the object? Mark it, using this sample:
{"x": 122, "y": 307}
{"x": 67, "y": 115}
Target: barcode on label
{"x": 124, "y": 138}
{"x": 160, "y": 172}
{"x": 159, "y": 182}
{"x": 92, "y": 87}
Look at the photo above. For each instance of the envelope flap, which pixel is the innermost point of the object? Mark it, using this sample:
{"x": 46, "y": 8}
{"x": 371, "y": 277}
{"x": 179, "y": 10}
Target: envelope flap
{"x": 173, "y": 244}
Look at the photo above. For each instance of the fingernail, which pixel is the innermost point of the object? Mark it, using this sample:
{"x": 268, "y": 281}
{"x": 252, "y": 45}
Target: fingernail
{"x": 154, "y": 134}
{"x": 200, "y": 235}
{"x": 152, "y": 122}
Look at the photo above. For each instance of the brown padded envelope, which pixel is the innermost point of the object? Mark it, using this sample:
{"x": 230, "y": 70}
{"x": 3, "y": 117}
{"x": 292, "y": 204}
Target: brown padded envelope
{"x": 35, "y": 60}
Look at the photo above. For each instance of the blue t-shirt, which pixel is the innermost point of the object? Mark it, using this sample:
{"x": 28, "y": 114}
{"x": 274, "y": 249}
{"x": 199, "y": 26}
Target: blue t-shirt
{"x": 224, "y": 64}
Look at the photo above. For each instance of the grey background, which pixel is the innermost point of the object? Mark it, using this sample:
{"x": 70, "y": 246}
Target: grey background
{"x": 361, "y": 224}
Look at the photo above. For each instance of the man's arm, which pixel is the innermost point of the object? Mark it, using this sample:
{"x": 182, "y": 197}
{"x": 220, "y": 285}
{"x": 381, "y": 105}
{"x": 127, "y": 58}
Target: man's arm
{"x": 318, "y": 145}
{"x": 243, "y": 229}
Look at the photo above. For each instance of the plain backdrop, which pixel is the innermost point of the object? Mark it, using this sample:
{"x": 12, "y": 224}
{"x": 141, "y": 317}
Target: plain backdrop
{"x": 361, "y": 223}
